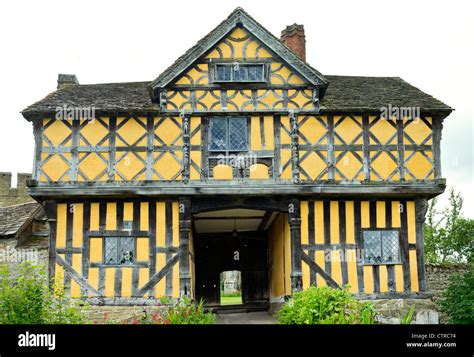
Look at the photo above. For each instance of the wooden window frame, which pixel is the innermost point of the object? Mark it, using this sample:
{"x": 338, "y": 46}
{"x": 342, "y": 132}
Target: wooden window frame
{"x": 213, "y": 72}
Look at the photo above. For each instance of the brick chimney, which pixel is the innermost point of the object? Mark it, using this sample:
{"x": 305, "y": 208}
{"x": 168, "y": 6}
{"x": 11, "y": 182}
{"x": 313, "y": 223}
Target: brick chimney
{"x": 293, "y": 37}
{"x": 66, "y": 80}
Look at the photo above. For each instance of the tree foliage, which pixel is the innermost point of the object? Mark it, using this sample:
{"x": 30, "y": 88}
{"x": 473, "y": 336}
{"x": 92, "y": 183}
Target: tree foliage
{"x": 449, "y": 237}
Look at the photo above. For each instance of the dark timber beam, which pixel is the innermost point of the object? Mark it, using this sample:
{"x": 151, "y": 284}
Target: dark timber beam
{"x": 184, "y": 239}
{"x": 421, "y": 207}
{"x": 294, "y": 220}
{"x": 50, "y": 208}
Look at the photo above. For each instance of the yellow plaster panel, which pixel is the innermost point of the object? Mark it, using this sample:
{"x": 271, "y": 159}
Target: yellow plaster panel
{"x": 96, "y": 250}
{"x": 160, "y": 225}
{"x": 109, "y": 282}
{"x": 61, "y": 225}
{"x": 285, "y": 156}
{"x": 111, "y": 216}
{"x": 319, "y": 222}
{"x": 313, "y": 165}
{"x": 349, "y": 166}
{"x": 144, "y": 209}
{"x": 396, "y": 210}
{"x": 380, "y": 219}
{"x": 312, "y": 130}
{"x": 268, "y": 132}
{"x": 411, "y": 222}
{"x": 93, "y": 133}
{"x": 350, "y": 235}
{"x": 94, "y": 220}
{"x": 348, "y": 130}
{"x": 255, "y": 138}
{"x": 196, "y": 138}
{"x": 131, "y": 131}
{"x": 222, "y": 172}
{"x": 127, "y": 281}
{"x": 77, "y": 225}
{"x": 365, "y": 214}
{"x": 94, "y": 278}
{"x": 334, "y": 214}
{"x": 368, "y": 279}
{"x": 57, "y": 133}
{"x": 304, "y": 222}
{"x": 128, "y": 211}
{"x": 383, "y": 279}
{"x": 351, "y": 255}
{"x": 175, "y": 219}
{"x": 399, "y": 278}
{"x": 142, "y": 249}
{"x": 259, "y": 172}
{"x": 196, "y": 158}
{"x": 413, "y": 271}
{"x": 319, "y": 256}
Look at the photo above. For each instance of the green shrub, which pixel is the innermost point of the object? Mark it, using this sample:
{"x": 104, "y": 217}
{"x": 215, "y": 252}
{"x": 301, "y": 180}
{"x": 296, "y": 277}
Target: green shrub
{"x": 28, "y": 299}
{"x": 326, "y": 306}
{"x": 181, "y": 312}
{"x": 458, "y": 299}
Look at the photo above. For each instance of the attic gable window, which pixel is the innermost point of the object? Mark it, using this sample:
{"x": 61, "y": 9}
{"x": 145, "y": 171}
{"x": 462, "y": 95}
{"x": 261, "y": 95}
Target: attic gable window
{"x": 238, "y": 72}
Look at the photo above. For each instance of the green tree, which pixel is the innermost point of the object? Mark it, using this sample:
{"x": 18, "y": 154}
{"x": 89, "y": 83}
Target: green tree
{"x": 449, "y": 237}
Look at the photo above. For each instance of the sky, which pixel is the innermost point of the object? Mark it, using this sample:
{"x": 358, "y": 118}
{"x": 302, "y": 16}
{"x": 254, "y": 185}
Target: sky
{"x": 427, "y": 43}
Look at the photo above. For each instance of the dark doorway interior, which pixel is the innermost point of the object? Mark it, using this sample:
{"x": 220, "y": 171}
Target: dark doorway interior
{"x": 245, "y": 252}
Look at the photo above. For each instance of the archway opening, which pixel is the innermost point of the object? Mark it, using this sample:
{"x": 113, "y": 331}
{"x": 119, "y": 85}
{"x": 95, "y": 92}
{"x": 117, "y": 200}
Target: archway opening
{"x": 231, "y": 287}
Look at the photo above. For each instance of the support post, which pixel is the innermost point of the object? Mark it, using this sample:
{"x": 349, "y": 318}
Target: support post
{"x": 421, "y": 207}
{"x": 186, "y": 146}
{"x": 294, "y": 220}
{"x": 184, "y": 239}
{"x": 50, "y": 209}
{"x": 295, "y": 160}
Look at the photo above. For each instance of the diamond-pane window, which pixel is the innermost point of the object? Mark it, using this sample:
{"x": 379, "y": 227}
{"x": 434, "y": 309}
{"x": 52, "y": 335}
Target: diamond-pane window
{"x": 119, "y": 250}
{"x": 381, "y": 246}
{"x": 228, "y": 134}
{"x": 239, "y": 72}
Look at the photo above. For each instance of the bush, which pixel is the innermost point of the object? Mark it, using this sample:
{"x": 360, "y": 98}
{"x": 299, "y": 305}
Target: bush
{"x": 326, "y": 306}
{"x": 28, "y": 299}
{"x": 458, "y": 299}
{"x": 181, "y": 312}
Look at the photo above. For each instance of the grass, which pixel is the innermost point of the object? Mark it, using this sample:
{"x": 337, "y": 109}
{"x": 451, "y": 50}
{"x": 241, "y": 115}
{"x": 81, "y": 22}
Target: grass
{"x": 231, "y": 300}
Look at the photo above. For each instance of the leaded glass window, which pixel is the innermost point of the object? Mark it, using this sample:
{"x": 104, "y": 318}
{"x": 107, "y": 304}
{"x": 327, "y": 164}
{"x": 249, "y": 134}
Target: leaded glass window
{"x": 238, "y": 72}
{"x": 381, "y": 246}
{"x": 228, "y": 134}
{"x": 119, "y": 250}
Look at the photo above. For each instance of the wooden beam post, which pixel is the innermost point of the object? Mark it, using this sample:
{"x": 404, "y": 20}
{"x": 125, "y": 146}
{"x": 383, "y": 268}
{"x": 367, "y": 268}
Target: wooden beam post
{"x": 294, "y": 220}
{"x": 50, "y": 208}
{"x": 295, "y": 160}
{"x": 184, "y": 239}
{"x": 421, "y": 207}
{"x": 437, "y": 125}
{"x": 186, "y": 146}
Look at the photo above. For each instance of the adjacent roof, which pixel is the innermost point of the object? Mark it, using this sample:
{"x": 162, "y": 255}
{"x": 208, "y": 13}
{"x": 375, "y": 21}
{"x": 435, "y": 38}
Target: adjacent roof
{"x": 344, "y": 93}
{"x": 13, "y": 218}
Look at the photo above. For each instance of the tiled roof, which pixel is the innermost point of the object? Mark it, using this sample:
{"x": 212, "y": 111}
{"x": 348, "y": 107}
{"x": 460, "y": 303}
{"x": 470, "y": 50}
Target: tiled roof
{"x": 344, "y": 93}
{"x": 12, "y": 218}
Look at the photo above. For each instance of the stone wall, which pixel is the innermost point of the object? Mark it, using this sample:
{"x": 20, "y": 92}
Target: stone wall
{"x": 437, "y": 277}
{"x": 34, "y": 250}
{"x": 12, "y": 196}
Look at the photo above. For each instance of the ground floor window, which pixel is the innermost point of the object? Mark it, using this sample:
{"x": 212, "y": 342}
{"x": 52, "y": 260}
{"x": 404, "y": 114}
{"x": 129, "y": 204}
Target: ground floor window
{"x": 381, "y": 246}
{"x": 119, "y": 250}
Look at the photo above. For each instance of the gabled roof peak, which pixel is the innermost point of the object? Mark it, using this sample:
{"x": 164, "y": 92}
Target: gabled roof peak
{"x": 236, "y": 18}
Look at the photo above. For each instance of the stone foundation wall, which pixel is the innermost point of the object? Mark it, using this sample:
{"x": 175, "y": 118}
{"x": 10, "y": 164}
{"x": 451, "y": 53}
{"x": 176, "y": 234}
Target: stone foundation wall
{"x": 116, "y": 314}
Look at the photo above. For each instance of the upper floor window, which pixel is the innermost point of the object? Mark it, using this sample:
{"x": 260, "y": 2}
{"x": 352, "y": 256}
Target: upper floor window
{"x": 228, "y": 134}
{"x": 238, "y": 72}
{"x": 381, "y": 246}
